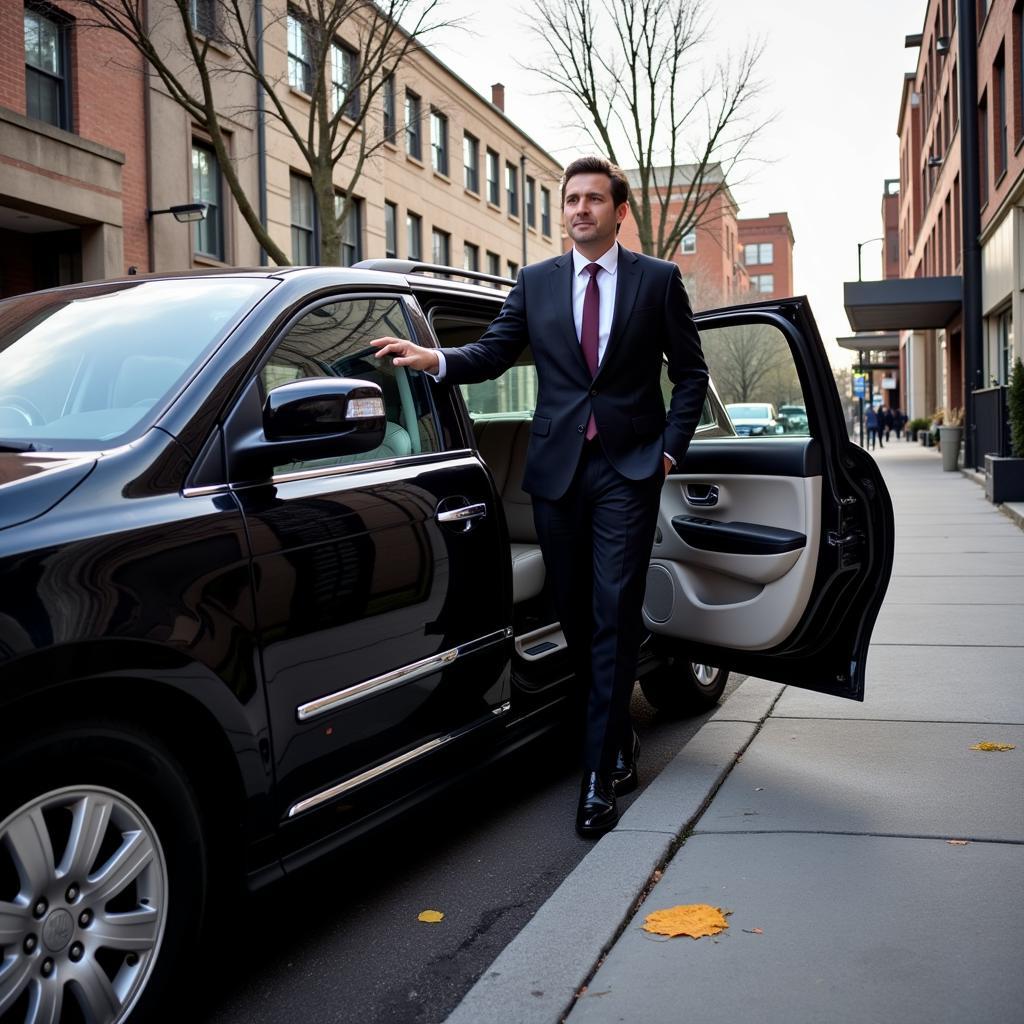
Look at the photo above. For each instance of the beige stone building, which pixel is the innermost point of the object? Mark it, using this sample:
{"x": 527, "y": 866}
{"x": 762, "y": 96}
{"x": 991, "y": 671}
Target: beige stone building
{"x": 90, "y": 150}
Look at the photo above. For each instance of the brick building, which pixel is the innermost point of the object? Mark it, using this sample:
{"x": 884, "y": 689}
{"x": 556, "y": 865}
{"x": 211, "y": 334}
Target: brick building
{"x": 926, "y": 304}
{"x": 86, "y": 149}
{"x": 725, "y": 259}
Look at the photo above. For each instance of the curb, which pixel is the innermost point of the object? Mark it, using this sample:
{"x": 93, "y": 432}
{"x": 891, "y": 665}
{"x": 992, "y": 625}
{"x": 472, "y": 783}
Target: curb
{"x": 1014, "y": 511}
{"x": 546, "y": 964}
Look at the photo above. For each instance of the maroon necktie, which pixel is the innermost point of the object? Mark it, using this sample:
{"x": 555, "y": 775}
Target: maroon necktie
{"x": 590, "y": 331}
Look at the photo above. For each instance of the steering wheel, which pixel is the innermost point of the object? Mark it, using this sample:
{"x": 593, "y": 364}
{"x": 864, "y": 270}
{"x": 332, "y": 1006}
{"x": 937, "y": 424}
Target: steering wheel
{"x": 28, "y": 409}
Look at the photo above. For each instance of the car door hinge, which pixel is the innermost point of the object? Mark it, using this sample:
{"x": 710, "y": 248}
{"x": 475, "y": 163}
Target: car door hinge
{"x": 849, "y": 543}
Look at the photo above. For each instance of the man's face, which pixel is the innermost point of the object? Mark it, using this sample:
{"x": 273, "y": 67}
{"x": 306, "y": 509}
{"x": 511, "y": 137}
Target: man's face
{"x": 589, "y": 211}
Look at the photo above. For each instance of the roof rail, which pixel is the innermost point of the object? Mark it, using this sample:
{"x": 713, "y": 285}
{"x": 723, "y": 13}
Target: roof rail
{"x": 393, "y": 266}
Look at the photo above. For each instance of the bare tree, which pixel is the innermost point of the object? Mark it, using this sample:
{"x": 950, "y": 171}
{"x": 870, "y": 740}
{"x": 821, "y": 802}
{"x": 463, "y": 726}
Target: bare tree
{"x": 632, "y": 72}
{"x": 343, "y": 119}
{"x": 751, "y": 363}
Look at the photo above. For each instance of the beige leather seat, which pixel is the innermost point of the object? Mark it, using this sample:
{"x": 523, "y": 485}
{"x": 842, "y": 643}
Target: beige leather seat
{"x": 503, "y": 446}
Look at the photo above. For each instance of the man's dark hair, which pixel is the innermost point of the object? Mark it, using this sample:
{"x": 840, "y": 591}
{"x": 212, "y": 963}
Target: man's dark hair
{"x": 598, "y": 165}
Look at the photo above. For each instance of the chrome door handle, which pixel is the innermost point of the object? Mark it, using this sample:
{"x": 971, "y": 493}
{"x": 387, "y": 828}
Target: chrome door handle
{"x": 456, "y": 515}
{"x": 705, "y": 500}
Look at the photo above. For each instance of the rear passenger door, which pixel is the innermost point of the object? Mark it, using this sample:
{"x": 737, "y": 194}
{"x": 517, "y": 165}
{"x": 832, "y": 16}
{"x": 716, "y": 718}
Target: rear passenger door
{"x": 773, "y": 552}
{"x": 384, "y": 632}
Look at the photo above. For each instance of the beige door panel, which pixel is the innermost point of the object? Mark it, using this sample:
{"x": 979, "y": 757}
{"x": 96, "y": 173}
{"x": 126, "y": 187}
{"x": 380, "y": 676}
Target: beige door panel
{"x": 744, "y": 601}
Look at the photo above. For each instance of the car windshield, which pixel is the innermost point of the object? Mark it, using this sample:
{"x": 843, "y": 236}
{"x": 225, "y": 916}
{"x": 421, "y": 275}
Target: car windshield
{"x": 83, "y": 368}
{"x": 748, "y": 412}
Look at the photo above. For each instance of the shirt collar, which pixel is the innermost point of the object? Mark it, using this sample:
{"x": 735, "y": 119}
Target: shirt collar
{"x": 609, "y": 262}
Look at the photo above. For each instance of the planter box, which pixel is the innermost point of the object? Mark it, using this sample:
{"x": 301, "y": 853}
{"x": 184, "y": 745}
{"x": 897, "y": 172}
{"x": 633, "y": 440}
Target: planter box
{"x": 949, "y": 442}
{"x": 1004, "y": 479}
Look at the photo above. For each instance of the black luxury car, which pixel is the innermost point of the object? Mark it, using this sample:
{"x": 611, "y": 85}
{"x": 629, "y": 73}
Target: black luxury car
{"x": 260, "y": 590}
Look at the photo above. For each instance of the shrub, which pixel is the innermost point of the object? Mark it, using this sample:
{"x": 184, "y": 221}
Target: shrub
{"x": 1015, "y": 404}
{"x": 919, "y": 424}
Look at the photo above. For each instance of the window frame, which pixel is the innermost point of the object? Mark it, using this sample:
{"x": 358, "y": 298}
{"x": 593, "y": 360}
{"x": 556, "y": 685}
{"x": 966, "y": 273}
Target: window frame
{"x": 355, "y": 217}
{"x": 413, "y": 117}
{"x": 62, "y": 28}
{"x": 545, "y": 211}
{"x": 445, "y": 238}
{"x": 530, "y": 201}
{"x": 298, "y": 30}
{"x": 390, "y": 230}
{"x": 493, "y": 161}
{"x": 688, "y": 243}
{"x": 471, "y": 170}
{"x": 512, "y": 189}
{"x": 206, "y": 24}
{"x": 310, "y": 230}
{"x": 345, "y": 58}
{"x": 390, "y": 114}
{"x": 470, "y": 256}
{"x": 216, "y": 208}
{"x": 413, "y": 220}
{"x": 439, "y": 141}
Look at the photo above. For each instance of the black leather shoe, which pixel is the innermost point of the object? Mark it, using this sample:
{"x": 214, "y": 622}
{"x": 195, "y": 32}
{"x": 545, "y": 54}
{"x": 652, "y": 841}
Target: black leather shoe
{"x": 624, "y": 774}
{"x": 597, "y": 812}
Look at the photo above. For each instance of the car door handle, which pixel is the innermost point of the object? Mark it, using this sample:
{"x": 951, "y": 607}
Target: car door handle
{"x": 458, "y": 515}
{"x": 705, "y": 499}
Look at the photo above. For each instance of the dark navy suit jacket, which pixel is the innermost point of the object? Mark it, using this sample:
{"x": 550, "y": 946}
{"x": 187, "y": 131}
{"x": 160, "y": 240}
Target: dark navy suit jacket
{"x": 652, "y": 318}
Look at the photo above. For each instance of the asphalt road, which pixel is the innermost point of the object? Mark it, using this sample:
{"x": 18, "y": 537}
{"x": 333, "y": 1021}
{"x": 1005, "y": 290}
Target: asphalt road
{"x": 341, "y": 942}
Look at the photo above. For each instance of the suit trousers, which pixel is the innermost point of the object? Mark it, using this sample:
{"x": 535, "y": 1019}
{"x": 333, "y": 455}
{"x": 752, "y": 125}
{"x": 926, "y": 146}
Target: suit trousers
{"x": 596, "y": 541}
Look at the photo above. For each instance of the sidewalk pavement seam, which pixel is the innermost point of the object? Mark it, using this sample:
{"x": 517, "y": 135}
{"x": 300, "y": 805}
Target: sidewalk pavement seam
{"x": 545, "y": 960}
{"x": 931, "y": 837}
{"x": 893, "y": 721}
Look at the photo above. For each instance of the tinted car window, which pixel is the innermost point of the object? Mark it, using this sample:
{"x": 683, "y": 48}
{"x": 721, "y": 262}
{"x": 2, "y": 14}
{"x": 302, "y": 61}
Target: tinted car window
{"x": 334, "y": 341}
{"x": 84, "y": 370}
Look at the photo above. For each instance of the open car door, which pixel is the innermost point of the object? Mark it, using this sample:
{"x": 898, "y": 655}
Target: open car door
{"x": 774, "y": 546}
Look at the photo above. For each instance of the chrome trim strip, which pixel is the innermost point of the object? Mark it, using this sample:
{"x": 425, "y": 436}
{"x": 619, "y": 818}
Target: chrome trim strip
{"x": 202, "y": 492}
{"x": 367, "y": 776}
{"x": 396, "y": 677}
{"x": 456, "y": 515}
{"x": 377, "y": 464}
{"x": 396, "y": 762}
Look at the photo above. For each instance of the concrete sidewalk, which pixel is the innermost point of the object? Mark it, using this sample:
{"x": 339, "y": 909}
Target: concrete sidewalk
{"x": 828, "y": 839}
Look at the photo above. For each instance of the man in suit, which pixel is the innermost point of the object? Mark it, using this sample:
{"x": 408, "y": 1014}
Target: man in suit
{"x": 599, "y": 320}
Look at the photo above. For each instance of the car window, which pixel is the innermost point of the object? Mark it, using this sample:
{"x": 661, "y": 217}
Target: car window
{"x": 333, "y": 340}
{"x": 756, "y": 377}
{"x": 84, "y": 368}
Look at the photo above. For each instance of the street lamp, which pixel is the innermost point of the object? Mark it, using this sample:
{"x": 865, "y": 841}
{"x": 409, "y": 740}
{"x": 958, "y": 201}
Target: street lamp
{"x": 860, "y": 245}
{"x": 184, "y": 213}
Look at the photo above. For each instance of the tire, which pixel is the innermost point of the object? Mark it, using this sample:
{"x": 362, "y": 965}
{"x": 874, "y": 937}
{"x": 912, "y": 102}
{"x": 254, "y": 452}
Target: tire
{"x": 103, "y": 876}
{"x": 681, "y": 688}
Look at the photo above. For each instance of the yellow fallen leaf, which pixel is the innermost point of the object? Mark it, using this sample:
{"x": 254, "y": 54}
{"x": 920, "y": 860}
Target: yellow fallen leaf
{"x": 994, "y": 746}
{"x": 694, "y": 920}
{"x": 956, "y": 842}
{"x": 430, "y": 916}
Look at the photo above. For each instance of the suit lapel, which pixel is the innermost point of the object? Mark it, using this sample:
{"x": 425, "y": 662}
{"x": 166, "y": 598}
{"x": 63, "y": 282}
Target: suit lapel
{"x": 561, "y": 298}
{"x": 628, "y": 275}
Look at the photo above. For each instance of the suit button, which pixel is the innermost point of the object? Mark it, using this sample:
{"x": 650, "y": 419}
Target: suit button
{"x": 593, "y": 393}
{"x": 579, "y": 429}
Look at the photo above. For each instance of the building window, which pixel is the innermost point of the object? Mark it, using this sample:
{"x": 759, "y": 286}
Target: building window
{"x": 470, "y": 256}
{"x": 350, "y": 242}
{"x": 471, "y": 162}
{"x": 439, "y": 142}
{"x": 208, "y": 238}
{"x": 493, "y": 194}
{"x": 414, "y": 236}
{"x": 345, "y": 80}
{"x": 1004, "y": 333}
{"x": 983, "y": 149}
{"x": 300, "y": 61}
{"x": 513, "y": 269}
{"x": 688, "y": 243}
{"x": 999, "y": 78}
{"x": 413, "y": 143}
{"x": 441, "y": 247}
{"x": 390, "y": 127}
{"x": 531, "y": 202}
{"x": 202, "y": 16}
{"x": 545, "y": 212}
{"x": 763, "y": 283}
{"x": 303, "y": 221}
{"x": 494, "y": 265}
{"x": 512, "y": 189}
{"x": 758, "y": 253}
{"x": 1018, "y": 69}
{"x": 390, "y": 230}
{"x": 46, "y": 81}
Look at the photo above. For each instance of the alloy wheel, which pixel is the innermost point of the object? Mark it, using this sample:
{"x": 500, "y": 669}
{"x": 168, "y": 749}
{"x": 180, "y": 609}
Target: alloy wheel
{"x": 83, "y": 906}
{"x": 705, "y": 675}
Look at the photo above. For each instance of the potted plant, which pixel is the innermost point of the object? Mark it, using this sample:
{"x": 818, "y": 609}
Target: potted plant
{"x": 915, "y": 426}
{"x": 951, "y": 432}
{"x": 1004, "y": 475}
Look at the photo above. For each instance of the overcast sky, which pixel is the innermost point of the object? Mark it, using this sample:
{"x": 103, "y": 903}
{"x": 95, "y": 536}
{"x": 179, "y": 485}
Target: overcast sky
{"x": 833, "y": 74}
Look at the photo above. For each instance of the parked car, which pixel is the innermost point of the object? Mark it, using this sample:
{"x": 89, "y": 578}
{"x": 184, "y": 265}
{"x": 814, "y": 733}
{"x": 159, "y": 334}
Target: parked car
{"x": 260, "y": 591}
{"x": 793, "y": 419}
{"x": 754, "y": 419}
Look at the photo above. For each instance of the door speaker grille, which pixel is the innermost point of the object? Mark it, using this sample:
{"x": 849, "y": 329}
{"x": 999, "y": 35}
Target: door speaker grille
{"x": 660, "y": 596}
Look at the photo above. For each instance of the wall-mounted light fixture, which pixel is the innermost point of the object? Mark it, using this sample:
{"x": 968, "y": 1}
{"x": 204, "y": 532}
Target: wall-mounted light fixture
{"x": 184, "y": 213}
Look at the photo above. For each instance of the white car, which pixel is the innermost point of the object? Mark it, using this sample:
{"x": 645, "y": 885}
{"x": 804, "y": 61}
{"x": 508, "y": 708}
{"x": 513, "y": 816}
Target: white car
{"x": 754, "y": 419}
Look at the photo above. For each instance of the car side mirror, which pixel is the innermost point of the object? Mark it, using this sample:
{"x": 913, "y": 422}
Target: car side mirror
{"x": 312, "y": 418}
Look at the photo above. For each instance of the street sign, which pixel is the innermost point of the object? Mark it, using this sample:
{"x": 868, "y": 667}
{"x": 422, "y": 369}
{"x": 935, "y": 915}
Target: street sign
{"x": 860, "y": 385}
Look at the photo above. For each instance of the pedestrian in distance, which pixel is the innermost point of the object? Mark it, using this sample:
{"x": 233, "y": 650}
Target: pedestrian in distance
{"x": 871, "y": 422}
{"x": 599, "y": 320}
{"x": 899, "y": 421}
{"x": 886, "y": 421}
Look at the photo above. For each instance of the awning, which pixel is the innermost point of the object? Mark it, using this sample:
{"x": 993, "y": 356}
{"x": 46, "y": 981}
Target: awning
{"x": 902, "y": 303}
{"x": 871, "y": 341}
